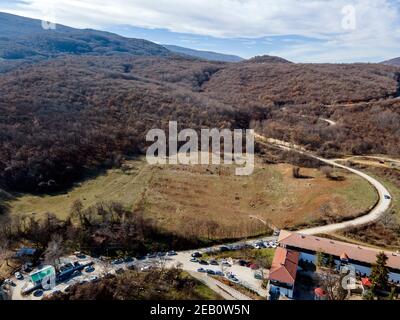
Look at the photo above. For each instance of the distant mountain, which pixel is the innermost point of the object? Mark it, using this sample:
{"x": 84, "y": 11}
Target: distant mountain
{"x": 392, "y": 62}
{"x": 267, "y": 59}
{"x": 206, "y": 55}
{"x": 23, "y": 40}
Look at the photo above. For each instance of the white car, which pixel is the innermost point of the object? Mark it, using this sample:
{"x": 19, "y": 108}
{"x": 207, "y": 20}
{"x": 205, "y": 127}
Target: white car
{"x": 145, "y": 268}
{"x": 9, "y": 282}
{"x": 93, "y": 278}
{"x": 19, "y": 276}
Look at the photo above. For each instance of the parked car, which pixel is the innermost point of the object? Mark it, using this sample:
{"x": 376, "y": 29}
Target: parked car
{"x": 171, "y": 253}
{"x": 223, "y": 249}
{"x": 276, "y": 233}
{"x": 82, "y": 282}
{"x": 117, "y": 261}
{"x": 243, "y": 263}
{"x": 219, "y": 273}
{"x": 195, "y": 260}
{"x": 27, "y": 267}
{"x": 128, "y": 259}
{"x": 387, "y": 197}
{"x": 202, "y": 270}
{"x": 234, "y": 279}
{"x": 151, "y": 255}
{"x": 258, "y": 276}
{"x": 38, "y": 293}
{"x": 80, "y": 255}
{"x": 19, "y": 276}
{"x": 66, "y": 267}
{"x": 161, "y": 254}
{"x": 203, "y": 262}
{"x": 213, "y": 262}
{"x": 210, "y": 272}
{"x": 145, "y": 268}
{"x": 267, "y": 244}
{"x": 10, "y": 282}
{"x": 76, "y": 273}
{"x": 259, "y": 245}
{"x": 131, "y": 266}
{"x": 94, "y": 279}
{"x": 89, "y": 269}
{"x": 226, "y": 264}
{"x": 197, "y": 255}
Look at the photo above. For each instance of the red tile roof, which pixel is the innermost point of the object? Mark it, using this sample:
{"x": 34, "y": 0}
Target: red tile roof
{"x": 344, "y": 256}
{"x": 320, "y": 292}
{"x": 337, "y": 248}
{"x": 284, "y": 266}
{"x": 366, "y": 282}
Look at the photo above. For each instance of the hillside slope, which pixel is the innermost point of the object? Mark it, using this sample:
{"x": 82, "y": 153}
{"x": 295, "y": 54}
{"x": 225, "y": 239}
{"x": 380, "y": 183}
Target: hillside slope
{"x": 392, "y": 62}
{"x": 207, "y": 55}
{"x": 286, "y": 83}
{"x": 23, "y": 40}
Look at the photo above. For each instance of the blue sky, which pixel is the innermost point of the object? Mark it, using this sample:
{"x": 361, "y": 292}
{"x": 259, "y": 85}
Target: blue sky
{"x": 298, "y": 30}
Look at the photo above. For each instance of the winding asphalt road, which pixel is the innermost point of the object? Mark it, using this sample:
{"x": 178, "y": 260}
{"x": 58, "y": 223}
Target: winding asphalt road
{"x": 377, "y": 212}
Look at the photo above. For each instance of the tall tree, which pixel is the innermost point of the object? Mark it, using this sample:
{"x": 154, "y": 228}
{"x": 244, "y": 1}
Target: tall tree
{"x": 55, "y": 250}
{"x": 380, "y": 272}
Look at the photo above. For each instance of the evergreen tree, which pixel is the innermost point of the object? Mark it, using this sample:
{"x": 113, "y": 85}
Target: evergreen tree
{"x": 321, "y": 259}
{"x": 380, "y": 272}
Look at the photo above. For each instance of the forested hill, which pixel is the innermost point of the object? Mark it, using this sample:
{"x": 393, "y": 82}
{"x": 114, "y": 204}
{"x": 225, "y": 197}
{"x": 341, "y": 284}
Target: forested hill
{"x": 23, "y": 40}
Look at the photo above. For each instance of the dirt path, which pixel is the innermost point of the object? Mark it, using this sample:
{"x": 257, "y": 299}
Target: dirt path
{"x": 382, "y": 206}
{"x": 330, "y": 122}
{"x": 371, "y": 157}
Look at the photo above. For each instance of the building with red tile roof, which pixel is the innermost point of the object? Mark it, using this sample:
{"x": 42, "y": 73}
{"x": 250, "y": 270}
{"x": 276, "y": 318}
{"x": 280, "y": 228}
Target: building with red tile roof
{"x": 344, "y": 254}
{"x": 282, "y": 276}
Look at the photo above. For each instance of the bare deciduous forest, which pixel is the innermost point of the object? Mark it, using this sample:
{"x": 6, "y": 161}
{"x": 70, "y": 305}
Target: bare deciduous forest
{"x": 64, "y": 116}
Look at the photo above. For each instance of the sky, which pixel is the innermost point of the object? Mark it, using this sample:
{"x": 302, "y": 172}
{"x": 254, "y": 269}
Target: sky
{"x": 298, "y": 30}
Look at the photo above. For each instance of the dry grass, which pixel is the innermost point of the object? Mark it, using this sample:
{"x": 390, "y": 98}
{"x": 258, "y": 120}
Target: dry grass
{"x": 185, "y": 199}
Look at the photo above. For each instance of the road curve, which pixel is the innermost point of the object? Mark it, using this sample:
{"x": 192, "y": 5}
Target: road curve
{"x": 371, "y": 157}
{"x": 377, "y": 212}
{"x": 328, "y": 121}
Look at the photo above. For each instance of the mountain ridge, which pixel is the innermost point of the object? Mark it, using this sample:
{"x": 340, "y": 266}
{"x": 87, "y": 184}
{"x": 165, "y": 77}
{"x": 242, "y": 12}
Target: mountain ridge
{"x": 392, "y": 62}
{"x": 25, "y": 41}
{"x": 207, "y": 55}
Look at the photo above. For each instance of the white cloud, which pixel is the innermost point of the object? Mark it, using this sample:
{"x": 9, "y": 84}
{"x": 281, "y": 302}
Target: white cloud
{"x": 376, "y": 33}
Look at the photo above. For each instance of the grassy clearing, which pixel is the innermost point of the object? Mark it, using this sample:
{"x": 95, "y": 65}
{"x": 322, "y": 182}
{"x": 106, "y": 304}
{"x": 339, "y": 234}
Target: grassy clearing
{"x": 358, "y": 192}
{"x": 210, "y": 201}
{"x": 386, "y": 232}
{"x": 200, "y": 289}
{"x": 114, "y": 185}
{"x": 205, "y": 293}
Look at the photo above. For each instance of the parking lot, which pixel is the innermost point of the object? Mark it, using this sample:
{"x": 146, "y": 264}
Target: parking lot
{"x": 96, "y": 268}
